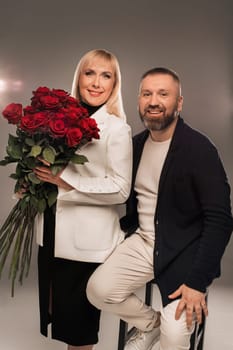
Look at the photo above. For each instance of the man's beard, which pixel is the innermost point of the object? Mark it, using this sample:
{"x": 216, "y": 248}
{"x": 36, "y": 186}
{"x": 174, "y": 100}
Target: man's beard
{"x": 158, "y": 123}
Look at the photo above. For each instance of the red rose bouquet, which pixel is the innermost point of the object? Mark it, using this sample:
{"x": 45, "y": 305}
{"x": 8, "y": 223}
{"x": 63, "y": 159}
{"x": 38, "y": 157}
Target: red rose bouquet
{"x": 51, "y": 129}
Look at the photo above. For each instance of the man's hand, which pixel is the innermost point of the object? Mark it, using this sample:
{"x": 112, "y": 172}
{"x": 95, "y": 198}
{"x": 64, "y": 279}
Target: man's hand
{"x": 192, "y": 302}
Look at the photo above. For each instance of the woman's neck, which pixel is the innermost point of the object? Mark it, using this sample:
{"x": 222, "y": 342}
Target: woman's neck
{"x": 91, "y": 109}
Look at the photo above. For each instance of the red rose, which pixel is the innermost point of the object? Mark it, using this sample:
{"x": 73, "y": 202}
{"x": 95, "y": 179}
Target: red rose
{"x": 29, "y": 110}
{"x": 71, "y": 101}
{"x": 82, "y": 112}
{"x": 84, "y": 124}
{"x": 42, "y": 90}
{"x": 72, "y": 115}
{"x": 89, "y": 128}
{"x": 33, "y": 122}
{"x": 49, "y": 102}
{"x": 74, "y": 136}
{"x": 13, "y": 113}
{"x": 58, "y": 128}
{"x": 27, "y": 123}
{"x": 61, "y": 94}
{"x": 40, "y": 119}
{"x": 56, "y": 115}
{"x": 93, "y": 128}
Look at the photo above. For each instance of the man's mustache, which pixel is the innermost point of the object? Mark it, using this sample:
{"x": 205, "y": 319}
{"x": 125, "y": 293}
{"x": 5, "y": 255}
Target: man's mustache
{"x": 154, "y": 108}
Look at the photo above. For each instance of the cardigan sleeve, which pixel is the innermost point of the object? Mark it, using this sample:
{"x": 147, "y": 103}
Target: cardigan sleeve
{"x": 213, "y": 191}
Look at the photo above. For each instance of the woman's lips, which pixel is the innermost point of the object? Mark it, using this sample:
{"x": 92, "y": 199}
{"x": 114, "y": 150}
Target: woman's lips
{"x": 94, "y": 93}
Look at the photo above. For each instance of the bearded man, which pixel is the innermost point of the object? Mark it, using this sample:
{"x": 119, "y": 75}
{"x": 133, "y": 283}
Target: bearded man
{"x": 178, "y": 222}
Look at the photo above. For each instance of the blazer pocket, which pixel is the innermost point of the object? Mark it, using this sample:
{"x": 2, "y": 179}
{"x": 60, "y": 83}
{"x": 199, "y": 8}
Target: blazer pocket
{"x": 98, "y": 230}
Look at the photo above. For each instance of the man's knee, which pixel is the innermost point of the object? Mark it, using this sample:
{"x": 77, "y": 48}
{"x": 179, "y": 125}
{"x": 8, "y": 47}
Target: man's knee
{"x": 174, "y": 340}
{"x": 96, "y": 292}
{"x": 175, "y": 335}
{"x": 102, "y": 291}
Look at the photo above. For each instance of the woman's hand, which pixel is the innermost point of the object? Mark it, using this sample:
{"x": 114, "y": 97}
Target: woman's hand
{"x": 45, "y": 174}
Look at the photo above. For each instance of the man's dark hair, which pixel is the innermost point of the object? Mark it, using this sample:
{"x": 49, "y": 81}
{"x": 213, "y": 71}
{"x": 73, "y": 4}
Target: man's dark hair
{"x": 162, "y": 70}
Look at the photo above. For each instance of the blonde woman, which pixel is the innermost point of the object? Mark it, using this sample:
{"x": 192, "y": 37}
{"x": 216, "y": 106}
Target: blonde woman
{"x": 85, "y": 228}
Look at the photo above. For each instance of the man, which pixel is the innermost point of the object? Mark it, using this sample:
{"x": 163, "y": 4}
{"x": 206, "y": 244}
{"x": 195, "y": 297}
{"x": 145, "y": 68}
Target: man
{"x": 178, "y": 219}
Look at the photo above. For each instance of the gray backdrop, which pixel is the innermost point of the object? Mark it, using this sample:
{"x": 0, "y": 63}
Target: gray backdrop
{"x": 40, "y": 45}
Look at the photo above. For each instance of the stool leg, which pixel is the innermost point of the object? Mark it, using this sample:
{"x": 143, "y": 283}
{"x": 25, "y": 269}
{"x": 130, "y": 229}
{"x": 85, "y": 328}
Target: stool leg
{"x": 197, "y": 338}
{"x": 122, "y": 335}
{"x": 148, "y": 293}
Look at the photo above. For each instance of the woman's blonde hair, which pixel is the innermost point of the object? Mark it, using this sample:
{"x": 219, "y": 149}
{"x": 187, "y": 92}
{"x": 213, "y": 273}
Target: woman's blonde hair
{"x": 114, "y": 104}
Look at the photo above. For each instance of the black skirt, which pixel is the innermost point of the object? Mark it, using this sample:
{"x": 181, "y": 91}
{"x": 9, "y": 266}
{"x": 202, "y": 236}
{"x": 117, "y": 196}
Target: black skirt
{"x": 73, "y": 319}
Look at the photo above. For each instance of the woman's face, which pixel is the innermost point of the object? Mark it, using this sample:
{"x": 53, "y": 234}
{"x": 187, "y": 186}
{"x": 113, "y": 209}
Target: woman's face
{"x": 96, "y": 82}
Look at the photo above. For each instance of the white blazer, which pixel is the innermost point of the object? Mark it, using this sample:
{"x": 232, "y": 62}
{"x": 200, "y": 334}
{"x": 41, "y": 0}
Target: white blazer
{"x": 87, "y": 222}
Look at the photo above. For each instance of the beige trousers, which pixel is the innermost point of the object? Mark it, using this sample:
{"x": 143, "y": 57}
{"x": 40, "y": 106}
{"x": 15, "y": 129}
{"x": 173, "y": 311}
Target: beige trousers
{"x": 113, "y": 284}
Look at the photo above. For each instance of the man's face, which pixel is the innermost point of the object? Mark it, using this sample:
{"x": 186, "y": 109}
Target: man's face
{"x": 159, "y": 101}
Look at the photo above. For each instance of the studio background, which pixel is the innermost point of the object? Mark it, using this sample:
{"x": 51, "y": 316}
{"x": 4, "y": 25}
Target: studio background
{"x": 40, "y": 45}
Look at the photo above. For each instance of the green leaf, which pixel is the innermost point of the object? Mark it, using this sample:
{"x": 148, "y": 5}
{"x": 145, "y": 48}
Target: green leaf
{"x": 32, "y": 177}
{"x": 14, "y": 151}
{"x": 24, "y": 202}
{"x": 34, "y": 201}
{"x": 17, "y": 187}
{"x": 35, "y": 151}
{"x": 61, "y": 148}
{"x": 6, "y": 161}
{"x": 32, "y": 190}
{"x": 78, "y": 159}
{"x": 19, "y": 170}
{"x": 52, "y": 197}
{"x": 56, "y": 169}
{"x": 29, "y": 142}
{"x": 64, "y": 161}
{"x": 41, "y": 141}
{"x": 14, "y": 176}
{"x": 49, "y": 154}
{"x": 41, "y": 206}
{"x": 12, "y": 140}
{"x": 26, "y": 148}
{"x": 30, "y": 162}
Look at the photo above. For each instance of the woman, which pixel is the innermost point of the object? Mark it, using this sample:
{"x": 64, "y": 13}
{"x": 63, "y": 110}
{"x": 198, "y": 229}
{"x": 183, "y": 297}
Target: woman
{"x": 85, "y": 229}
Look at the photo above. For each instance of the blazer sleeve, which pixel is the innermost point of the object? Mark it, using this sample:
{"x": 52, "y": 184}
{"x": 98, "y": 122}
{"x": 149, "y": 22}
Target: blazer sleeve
{"x": 113, "y": 185}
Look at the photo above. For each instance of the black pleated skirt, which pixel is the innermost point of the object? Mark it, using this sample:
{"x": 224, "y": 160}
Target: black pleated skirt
{"x": 62, "y": 294}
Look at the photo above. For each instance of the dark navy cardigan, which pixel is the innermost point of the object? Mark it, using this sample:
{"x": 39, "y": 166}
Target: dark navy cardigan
{"x": 193, "y": 220}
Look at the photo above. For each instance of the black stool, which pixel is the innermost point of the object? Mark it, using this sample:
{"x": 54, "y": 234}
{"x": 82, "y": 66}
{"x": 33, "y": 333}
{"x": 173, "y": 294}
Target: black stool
{"x": 196, "y": 341}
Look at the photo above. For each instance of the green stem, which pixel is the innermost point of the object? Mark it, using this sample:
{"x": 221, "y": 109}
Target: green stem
{"x": 17, "y": 232}
{"x": 9, "y": 236}
{"x": 27, "y": 249}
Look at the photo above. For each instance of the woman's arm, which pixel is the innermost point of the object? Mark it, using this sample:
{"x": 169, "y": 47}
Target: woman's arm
{"x": 113, "y": 186}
